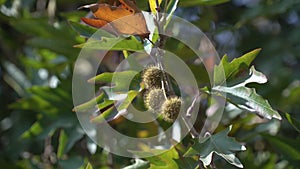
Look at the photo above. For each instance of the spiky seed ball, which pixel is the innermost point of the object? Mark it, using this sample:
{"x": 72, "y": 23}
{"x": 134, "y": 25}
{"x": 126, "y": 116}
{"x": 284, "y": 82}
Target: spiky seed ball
{"x": 152, "y": 77}
{"x": 171, "y": 108}
{"x": 154, "y": 99}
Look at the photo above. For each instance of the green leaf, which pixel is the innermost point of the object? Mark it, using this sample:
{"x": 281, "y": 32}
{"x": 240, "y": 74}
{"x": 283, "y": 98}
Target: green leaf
{"x": 130, "y": 96}
{"x": 187, "y": 163}
{"x": 89, "y": 104}
{"x": 295, "y": 123}
{"x": 187, "y": 3}
{"x": 113, "y": 112}
{"x": 139, "y": 164}
{"x": 120, "y": 80}
{"x": 55, "y": 44}
{"x": 2, "y": 2}
{"x": 71, "y": 162}
{"x": 88, "y": 31}
{"x": 108, "y": 115}
{"x": 89, "y": 166}
{"x": 289, "y": 148}
{"x": 172, "y": 6}
{"x": 130, "y": 43}
{"x": 63, "y": 138}
{"x": 59, "y": 37}
{"x": 220, "y": 144}
{"x": 105, "y": 104}
{"x": 34, "y": 130}
{"x": 231, "y": 69}
{"x": 247, "y": 98}
{"x": 165, "y": 160}
{"x": 83, "y": 30}
{"x": 47, "y": 125}
{"x": 160, "y": 159}
{"x": 266, "y": 10}
{"x": 28, "y": 26}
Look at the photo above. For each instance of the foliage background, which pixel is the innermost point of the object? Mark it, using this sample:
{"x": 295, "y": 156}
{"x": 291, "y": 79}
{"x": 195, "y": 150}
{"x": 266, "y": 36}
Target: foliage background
{"x": 39, "y": 130}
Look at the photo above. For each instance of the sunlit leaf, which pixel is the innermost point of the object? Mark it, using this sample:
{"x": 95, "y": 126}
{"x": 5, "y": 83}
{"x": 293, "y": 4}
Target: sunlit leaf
{"x": 63, "y": 138}
{"x": 131, "y": 44}
{"x": 89, "y": 104}
{"x": 105, "y": 104}
{"x": 159, "y": 159}
{"x": 247, "y": 98}
{"x": 115, "y": 16}
{"x": 130, "y": 96}
{"x": 139, "y": 164}
{"x": 153, "y": 5}
{"x": 108, "y": 115}
{"x": 35, "y": 129}
{"x": 231, "y": 69}
{"x": 172, "y": 6}
{"x": 89, "y": 166}
{"x": 119, "y": 80}
{"x": 220, "y": 144}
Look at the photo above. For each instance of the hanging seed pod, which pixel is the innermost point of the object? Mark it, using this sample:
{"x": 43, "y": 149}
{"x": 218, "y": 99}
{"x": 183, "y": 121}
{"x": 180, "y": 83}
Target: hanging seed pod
{"x": 154, "y": 99}
{"x": 152, "y": 77}
{"x": 171, "y": 109}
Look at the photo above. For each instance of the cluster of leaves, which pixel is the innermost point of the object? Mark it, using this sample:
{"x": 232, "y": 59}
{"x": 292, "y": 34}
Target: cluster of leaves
{"x": 39, "y": 130}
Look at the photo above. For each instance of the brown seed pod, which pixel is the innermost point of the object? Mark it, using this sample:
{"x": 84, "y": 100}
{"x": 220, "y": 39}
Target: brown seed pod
{"x": 152, "y": 77}
{"x": 154, "y": 99}
{"x": 171, "y": 108}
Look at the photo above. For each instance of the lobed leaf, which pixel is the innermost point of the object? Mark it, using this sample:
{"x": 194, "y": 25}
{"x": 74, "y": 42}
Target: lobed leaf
{"x": 220, "y": 144}
{"x": 248, "y": 99}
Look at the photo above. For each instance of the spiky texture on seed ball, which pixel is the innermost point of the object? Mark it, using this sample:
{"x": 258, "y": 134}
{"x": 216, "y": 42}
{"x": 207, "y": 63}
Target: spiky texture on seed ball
{"x": 154, "y": 99}
{"x": 171, "y": 108}
{"x": 152, "y": 77}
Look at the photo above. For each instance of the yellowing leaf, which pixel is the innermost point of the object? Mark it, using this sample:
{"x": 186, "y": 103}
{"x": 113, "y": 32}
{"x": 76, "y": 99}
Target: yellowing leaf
{"x": 153, "y": 5}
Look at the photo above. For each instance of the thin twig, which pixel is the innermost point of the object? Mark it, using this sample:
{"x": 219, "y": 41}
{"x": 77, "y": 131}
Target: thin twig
{"x": 190, "y": 127}
{"x": 166, "y": 5}
{"x": 192, "y": 106}
{"x": 188, "y": 115}
{"x": 157, "y": 6}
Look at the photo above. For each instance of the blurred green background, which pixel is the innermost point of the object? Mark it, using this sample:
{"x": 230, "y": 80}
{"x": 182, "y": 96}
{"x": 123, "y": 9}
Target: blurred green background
{"x": 38, "y": 128}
